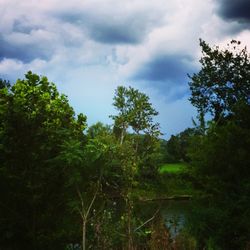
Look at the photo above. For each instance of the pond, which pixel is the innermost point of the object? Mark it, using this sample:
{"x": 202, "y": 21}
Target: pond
{"x": 173, "y": 212}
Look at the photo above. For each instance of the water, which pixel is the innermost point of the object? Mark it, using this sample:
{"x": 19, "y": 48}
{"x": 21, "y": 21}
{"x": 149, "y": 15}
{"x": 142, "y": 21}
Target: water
{"x": 174, "y": 214}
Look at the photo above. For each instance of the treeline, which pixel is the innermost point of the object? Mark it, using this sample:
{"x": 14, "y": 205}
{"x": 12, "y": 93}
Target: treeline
{"x": 65, "y": 185}
{"x": 218, "y": 149}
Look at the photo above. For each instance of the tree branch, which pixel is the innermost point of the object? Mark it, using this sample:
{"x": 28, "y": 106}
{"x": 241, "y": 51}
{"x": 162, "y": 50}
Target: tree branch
{"x": 147, "y": 221}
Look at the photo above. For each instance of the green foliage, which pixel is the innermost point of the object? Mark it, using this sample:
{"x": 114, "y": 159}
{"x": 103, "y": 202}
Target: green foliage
{"x": 149, "y": 154}
{"x": 176, "y": 148}
{"x": 173, "y": 168}
{"x": 99, "y": 131}
{"x": 220, "y": 156}
{"x": 61, "y": 187}
{"x": 222, "y": 81}
{"x": 135, "y": 111}
{"x": 35, "y": 121}
{"x": 137, "y": 154}
{"x": 4, "y": 84}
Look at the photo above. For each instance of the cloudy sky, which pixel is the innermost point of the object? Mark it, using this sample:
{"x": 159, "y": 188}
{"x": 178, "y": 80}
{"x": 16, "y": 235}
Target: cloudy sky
{"x": 89, "y": 47}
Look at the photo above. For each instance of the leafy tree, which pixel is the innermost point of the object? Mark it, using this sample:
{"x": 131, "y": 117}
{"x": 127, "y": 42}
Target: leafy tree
{"x": 135, "y": 111}
{"x": 173, "y": 149}
{"x": 224, "y": 79}
{"x": 97, "y": 172}
{"x": 150, "y": 157}
{"x": 35, "y": 121}
{"x": 137, "y": 151}
{"x": 220, "y": 156}
{"x": 99, "y": 130}
{"x": 220, "y": 163}
{"x": 4, "y": 83}
{"x": 57, "y": 184}
{"x": 84, "y": 178}
{"x": 176, "y": 148}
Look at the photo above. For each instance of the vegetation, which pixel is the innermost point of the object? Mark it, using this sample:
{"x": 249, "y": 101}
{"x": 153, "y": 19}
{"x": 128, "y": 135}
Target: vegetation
{"x": 66, "y": 185}
{"x": 176, "y": 148}
{"x": 220, "y": 157}
{"x": 173, "y": 168}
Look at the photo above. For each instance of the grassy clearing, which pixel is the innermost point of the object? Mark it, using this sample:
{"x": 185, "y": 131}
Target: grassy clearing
{"x": 172, "y": 182}
{"x": 173, "y": 168}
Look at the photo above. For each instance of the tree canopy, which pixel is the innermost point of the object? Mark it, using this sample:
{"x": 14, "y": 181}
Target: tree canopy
{"x": 64, "y": 185}
{"x": 57, "y": 181}
{"x": 135, "y": 111}
{"x": 35, "y": 121}
{"x": 223, "y": 81}
{"x": 220, "y": 156}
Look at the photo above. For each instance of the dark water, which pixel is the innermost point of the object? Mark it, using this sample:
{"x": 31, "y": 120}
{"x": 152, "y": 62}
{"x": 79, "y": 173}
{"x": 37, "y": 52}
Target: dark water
{"x": 173, "y": 212}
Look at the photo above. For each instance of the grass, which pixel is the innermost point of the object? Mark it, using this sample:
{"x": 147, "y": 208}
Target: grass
{"x": 173, "y": 168}
{"x": 171, "y": 183}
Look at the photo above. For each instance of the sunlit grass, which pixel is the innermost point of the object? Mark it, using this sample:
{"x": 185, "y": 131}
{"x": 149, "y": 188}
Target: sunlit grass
{"x": 173, "y": 168}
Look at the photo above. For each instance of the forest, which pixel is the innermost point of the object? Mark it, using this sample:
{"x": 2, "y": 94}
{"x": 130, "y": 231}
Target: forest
{"x": 67, "y": 185}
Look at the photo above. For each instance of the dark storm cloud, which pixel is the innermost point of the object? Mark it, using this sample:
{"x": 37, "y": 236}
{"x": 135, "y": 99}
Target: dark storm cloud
{"x": 110, "y": 29}
{"x": 168, "y": 74}
{"x": 238, "y": 10}
{"x": 23, "y": 52}
{"x": 116, "y": 33}
{"x": 171, "y": 68}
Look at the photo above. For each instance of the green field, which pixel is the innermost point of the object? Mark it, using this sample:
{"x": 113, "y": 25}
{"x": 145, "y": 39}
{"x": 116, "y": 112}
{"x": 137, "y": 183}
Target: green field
{"x": 173, "y": 168}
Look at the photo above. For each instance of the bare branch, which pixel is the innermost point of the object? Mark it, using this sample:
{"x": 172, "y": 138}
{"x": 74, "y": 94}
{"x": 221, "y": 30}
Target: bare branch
{"x": 147, "y": 221}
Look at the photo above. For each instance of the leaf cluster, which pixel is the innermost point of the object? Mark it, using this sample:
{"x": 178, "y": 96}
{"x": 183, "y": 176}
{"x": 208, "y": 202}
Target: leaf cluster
{"x": 224, "y": 79}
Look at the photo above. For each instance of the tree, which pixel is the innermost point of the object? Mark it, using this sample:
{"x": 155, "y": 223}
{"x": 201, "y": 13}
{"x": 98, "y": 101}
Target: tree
{"x": 4, "y": 83}
{"x": 98, "y": 130}
{"x": 84, "y": 178}
{"x": 135, "y": 111}
{"x": 220, "y": 161}
{"x": 137, "y": 150}
{"x": 224, "y": 79}
{"x": 35, "y": 120}
{"x": 176, "y": 148}
{"x": 220, "y": 156}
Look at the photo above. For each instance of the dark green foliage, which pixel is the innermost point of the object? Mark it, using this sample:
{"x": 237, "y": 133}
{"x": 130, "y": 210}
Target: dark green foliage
{"x": 223, "y": 80}
{"x": 220, "y": 156}
{"x": 35, "y": 120}
{"x": 135, "y": 111}
{"x": 99, "y": 131}
{"x": 4, "y": 83}
{"x": 176, "y": 148}
{"x": 221, "y": 166}
{"x": 149, "y": 157}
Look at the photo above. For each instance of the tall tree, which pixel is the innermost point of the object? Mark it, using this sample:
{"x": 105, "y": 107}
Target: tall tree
{"x": 220, "y": 156}
{"x": 135, "y": 111}
{"x": 35, "y": 121}
{"x": 224, "y": 79}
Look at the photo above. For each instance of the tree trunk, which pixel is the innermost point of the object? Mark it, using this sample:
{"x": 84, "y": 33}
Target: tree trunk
{"x": 83, "y": 234}
{"x": 130, "y": 237}
{"x": 122, "y": 137}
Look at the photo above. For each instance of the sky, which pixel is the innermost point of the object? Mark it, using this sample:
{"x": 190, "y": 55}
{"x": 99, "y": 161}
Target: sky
{"x": 89, "y": 47}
